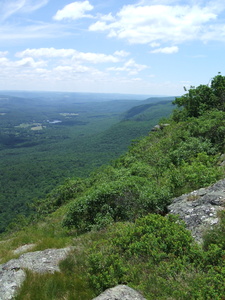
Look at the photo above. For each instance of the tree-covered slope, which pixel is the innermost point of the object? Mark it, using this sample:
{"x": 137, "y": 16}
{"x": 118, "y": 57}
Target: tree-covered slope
{"x": 48, "y": 137}
{"x": 117, "y": 221}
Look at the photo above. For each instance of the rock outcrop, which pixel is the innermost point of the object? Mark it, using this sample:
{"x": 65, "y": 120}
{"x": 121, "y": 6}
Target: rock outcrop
{"x": 199, "y": 209}
{"x": 120, "y": 292}
{"x": 159, "y": 127}
{"x": 12, "y": 273}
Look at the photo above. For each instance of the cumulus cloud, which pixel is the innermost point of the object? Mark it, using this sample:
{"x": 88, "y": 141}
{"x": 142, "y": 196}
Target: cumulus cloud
{"x": 154, "y": 24}
{"x": 74, "y": 10}
{"x": 108, "y": 17}
{"x": 69, "y": 69}
{"x": 75, "y": 55}
{"x": 101, "y": 26}
{"x": 131, "y": 67}
{"x": 27, "y": 62}
{"x": 166, "y": 50}
{"x": 121, "y": 53}
{"x": 46, "y": 52}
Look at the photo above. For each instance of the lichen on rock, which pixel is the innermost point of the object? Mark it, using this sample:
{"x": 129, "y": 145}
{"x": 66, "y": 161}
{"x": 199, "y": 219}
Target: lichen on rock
{"x": 199, "y": 209}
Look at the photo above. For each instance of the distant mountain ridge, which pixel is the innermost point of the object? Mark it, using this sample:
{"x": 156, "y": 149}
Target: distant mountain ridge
{"x": 136, "y": 110}
{"x": 82, "y": 96}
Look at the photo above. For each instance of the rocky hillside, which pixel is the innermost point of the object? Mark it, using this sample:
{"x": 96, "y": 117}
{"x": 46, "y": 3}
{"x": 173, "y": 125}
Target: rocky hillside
{"x": 149, "y": 225}
{"x": 199, "y": 210}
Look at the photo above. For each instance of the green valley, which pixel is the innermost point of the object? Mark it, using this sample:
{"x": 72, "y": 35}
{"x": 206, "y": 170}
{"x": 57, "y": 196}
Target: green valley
{"x": 48, "y": 137}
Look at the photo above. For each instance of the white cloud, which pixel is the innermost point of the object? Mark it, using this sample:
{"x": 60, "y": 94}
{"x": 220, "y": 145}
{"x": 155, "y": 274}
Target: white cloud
{"x": 99, "y": 26}
{"x": 131, "y": 67}
{"x": 108, "y": 17}
{"x": 27, "y": 62}
{"x": 74, "y": 10}
{"x": 73, "y": 54}
{"x": 73, "y": 69}
{"x": 166, "y": 50}
{"x": 46, "y": 52}
{"x": 154, "y": 44}
{"x": 121, "y": 53}
{"x": 95, "y": 57}
{"x": 155, "y": 24}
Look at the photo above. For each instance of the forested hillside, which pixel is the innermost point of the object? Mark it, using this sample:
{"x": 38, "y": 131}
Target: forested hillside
{"x": 46, "y": 138}
{"x": 117, "y": 221}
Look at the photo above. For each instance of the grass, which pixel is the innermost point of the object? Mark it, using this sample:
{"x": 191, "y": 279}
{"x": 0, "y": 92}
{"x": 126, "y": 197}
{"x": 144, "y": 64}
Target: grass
{"x": 71, "y": 283}
{"x": 46, "y": 234}
{"x": 57, "y": 286}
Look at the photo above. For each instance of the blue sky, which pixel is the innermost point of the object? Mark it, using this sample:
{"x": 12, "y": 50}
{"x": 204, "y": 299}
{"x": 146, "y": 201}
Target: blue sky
{"x": 111, "y": 46}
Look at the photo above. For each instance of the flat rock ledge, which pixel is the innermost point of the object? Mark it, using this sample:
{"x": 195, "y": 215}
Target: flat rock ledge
{"x": 12, "y": 273}
{"x": 120, "y": 292}
{"x": 199, "y": 209}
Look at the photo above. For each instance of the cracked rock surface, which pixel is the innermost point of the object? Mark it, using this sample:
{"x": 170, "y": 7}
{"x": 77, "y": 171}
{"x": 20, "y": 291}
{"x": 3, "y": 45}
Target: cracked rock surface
{"x": 199, "y": 209}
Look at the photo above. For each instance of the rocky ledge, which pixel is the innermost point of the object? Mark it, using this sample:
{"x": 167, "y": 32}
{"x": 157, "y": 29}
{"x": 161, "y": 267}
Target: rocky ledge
{"x": 12, "y": 273}
{"x": 199, "y": 209}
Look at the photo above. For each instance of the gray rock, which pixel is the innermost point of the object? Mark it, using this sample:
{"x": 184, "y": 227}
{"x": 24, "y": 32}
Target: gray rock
{"x": 10, "y": 282}
{"x": 38, "y": 261}
{"x": 199, "y": 209}
{"x": 120, "y": 292}
{"x": 12, "y": 273}
{"x": 159, "y": 127}
{"x": 156, "y": 128}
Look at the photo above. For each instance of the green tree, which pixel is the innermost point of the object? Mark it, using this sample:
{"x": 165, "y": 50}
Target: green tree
{"x": 202, "y": 98}
{"x": 218, "y": 88}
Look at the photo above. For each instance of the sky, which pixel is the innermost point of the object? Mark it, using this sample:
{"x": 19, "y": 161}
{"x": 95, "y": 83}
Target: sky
{"x": 154, "y": 47}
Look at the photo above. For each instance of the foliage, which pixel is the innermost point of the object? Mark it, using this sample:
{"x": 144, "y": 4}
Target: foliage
{"x": 216, "y": 235}
{"x": 126, "y": 199}
{"x": 121, "y": 208}
{"x": 181, "y": 157}
{"x": 202, "y": 98}
{"x": 60, "y": 195}
{"x": 36, "y": 154}
{"x": 158, "y": 256}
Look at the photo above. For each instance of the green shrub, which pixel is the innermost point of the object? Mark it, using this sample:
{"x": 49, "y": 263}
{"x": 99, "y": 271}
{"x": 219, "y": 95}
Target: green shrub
{"x": 149, "y": 241}
{"x": 158, "y": 256}
{"x": 123, "y": 200}
{"x": 216, "y": 236}
{"x": 60, "y": 195}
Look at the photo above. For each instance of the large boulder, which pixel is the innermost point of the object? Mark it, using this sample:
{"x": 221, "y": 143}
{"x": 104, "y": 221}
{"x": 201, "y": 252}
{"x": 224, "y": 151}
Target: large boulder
{"x": 120, "y": 292}
{"x": 199, "y": 209}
